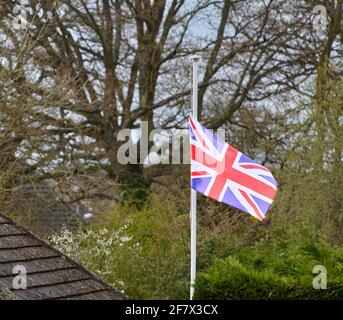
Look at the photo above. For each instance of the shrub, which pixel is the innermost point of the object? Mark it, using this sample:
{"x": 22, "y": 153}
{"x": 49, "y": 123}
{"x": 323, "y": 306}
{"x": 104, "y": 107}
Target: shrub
{"x": 142, "y": 252}
{"x": 275, "y": 271}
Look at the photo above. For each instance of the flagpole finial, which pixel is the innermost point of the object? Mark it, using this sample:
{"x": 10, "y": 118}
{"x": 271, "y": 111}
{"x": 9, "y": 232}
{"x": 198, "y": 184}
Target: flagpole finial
{"x": 195, "y": 57}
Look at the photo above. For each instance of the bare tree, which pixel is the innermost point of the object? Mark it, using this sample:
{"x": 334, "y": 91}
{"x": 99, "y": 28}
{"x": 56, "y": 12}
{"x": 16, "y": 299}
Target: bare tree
{"x": 96, "y": 67}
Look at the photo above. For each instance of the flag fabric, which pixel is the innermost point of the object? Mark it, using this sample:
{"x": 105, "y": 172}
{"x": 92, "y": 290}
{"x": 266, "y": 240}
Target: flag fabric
{"x": 221, "y": 172}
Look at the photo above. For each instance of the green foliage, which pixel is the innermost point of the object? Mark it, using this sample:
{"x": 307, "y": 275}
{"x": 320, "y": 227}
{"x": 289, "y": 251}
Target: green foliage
{"x": 145, "y": 253}
{"x": 134, "y": 186}
{"x": 157, "y": 266}
{"x": 274, "y": 271}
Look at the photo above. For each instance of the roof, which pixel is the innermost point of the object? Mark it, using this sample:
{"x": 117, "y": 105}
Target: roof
{"x": 50, "y": 274}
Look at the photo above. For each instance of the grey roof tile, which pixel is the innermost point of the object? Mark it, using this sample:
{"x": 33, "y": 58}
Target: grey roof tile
{"x": 50, "y": 274}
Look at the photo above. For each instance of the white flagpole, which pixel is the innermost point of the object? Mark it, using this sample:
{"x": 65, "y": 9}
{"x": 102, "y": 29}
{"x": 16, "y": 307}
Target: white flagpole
{"x": 193, "y": 210}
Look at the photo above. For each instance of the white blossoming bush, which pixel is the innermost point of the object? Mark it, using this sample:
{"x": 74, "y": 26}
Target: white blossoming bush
{"x": 95, "y": 249}
{"x": 141, "y": 251}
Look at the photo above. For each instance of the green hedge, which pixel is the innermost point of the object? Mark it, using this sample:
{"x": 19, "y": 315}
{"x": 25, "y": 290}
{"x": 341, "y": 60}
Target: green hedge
{"x": 273, "y": 273}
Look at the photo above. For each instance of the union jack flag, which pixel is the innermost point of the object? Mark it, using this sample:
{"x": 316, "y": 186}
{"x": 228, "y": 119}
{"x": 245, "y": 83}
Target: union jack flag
{"x": 221, "y": 172}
